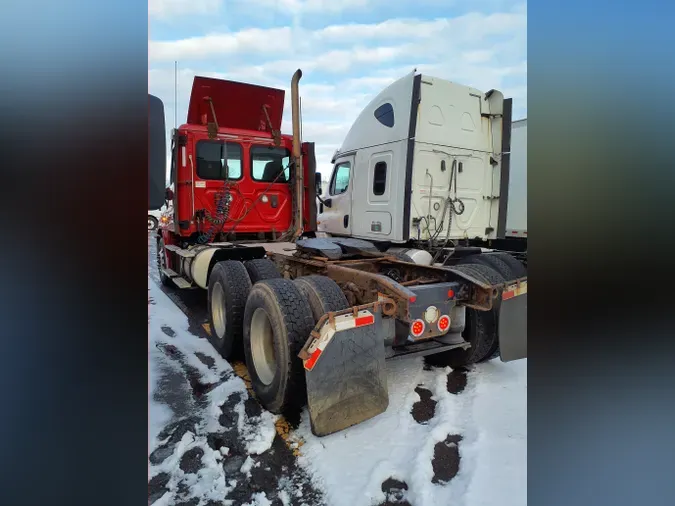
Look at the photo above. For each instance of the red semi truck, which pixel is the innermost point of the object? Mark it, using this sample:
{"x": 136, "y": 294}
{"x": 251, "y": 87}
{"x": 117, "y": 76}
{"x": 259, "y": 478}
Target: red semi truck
{"x": 314, "y": 318}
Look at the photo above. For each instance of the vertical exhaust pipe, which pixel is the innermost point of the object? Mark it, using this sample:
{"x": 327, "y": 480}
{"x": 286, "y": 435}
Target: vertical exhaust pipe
{"x": 297, "y": 153}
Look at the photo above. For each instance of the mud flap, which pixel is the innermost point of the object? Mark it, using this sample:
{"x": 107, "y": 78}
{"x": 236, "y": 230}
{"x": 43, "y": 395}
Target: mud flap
{"x": 345, "y": 372}
{"x": 513, "y": 322}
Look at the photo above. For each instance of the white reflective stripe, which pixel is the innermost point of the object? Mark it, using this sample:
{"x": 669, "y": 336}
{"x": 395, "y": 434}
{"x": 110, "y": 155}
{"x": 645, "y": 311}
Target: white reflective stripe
{"x": 343, "y": 322}
{"x": 326, "y": 334}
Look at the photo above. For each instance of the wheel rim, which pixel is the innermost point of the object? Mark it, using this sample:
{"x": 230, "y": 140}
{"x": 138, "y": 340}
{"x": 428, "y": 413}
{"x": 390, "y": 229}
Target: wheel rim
{"x": 262, "y": 346}
{"x": 151, "y": 224}
{"x": 218, "y": 310}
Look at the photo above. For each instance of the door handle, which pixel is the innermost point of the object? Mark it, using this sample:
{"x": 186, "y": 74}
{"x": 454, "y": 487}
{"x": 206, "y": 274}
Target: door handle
{"x": 345, "y": 220}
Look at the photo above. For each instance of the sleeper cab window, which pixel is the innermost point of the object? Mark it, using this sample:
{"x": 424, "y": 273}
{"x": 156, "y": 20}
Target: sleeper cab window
{"x": 212, "y": 157}
{"x": 380, "y": 178}
{"x": 385, "y": 115}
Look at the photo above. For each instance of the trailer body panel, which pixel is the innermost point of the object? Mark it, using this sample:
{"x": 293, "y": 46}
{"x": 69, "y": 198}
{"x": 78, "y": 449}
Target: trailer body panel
{"x": 516, "y": 216}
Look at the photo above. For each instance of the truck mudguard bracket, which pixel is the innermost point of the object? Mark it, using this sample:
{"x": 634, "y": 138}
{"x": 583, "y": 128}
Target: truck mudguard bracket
{"x": 513, "y": 322}
{"x": 345, "y": 370}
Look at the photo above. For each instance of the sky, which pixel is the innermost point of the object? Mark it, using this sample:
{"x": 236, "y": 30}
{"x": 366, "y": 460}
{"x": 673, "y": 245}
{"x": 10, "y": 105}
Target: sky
{"x": 348, "y": 50}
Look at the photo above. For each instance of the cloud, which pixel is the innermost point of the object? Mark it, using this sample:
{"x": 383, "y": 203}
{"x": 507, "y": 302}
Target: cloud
{"x": 167, "y": 9}
{"x": 310, "y": 6}
{"x": 346, "y": 65}
{"x": 163, "y": 9}
{"x": 252, "y": 40}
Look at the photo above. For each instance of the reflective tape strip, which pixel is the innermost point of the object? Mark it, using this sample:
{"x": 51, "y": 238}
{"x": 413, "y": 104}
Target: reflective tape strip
{"x": 515, "y": 290}
{"x": 343, "y": 322}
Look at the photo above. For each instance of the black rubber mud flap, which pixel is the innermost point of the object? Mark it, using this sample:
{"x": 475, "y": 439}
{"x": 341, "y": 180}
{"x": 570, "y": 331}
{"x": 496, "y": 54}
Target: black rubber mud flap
{"x": 513, "y": 322}
{"x": 347, "y": 383}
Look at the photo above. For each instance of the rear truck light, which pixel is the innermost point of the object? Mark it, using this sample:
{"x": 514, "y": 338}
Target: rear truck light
{"x": 451, "y": 293}
{"x": 417, "y": 328}
{"x": 431, "y": 314}
{"x": 343, "y": 322}
{"x": 444, "y": 323}
{"x": 412, "y": 299}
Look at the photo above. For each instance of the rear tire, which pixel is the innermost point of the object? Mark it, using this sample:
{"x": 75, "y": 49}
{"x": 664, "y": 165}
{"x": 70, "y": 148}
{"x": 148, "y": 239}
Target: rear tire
{"x": 228, "y": 289}
{"x": 511, "y": 268}
{"x": 481, "y": 326}
{"x": 277, "y": 323}
{"x": 323, "y": 294}
{"x": 261, "y": 269}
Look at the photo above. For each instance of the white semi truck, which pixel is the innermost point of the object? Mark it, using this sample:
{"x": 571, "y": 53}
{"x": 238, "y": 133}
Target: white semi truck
{"x": 427, "y": 166}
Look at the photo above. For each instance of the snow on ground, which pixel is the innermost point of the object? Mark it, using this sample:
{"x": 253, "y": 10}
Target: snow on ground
{"x": 175, "y": 358}
{"x": 483, "y": 422}
{"x": 489, "y": 414}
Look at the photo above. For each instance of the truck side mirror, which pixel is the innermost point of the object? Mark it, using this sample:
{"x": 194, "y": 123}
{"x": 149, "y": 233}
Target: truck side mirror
{"x": 317, "y": 182}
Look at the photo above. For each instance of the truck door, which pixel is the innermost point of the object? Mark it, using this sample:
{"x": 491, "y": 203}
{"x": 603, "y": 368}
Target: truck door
{"x": 336, "y": 216}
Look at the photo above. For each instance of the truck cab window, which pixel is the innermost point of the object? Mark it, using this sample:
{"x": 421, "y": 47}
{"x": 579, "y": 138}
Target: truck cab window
{"x": 340, "y": 181}
{"x": 380, "y": 178}
{"x": 268, "y": 162}
{"x": 211, "y": 158}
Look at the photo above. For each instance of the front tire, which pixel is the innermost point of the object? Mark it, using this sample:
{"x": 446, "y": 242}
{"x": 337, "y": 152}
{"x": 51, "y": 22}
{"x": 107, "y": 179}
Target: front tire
{"x": 277, "y": 323}
{"x": 228, "y": 290}
{"x": 152, "y": 223}
{"x": 162, "y": 263}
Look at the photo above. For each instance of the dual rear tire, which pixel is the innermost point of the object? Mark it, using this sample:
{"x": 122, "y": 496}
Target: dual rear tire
{"x": 258, "y": 316}
{"x": 280, "y": 315}
{"x": 482, "y": 327}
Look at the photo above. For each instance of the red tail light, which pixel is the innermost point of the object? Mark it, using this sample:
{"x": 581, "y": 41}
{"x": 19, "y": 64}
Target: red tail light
{"x": 417, "y": 328}
{"x": 444, "y": 323}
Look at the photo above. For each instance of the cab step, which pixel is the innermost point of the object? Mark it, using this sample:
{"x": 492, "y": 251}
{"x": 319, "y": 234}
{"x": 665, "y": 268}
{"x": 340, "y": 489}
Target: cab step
{"x": 181, "y": 282}
{"x": 170, "y": 273}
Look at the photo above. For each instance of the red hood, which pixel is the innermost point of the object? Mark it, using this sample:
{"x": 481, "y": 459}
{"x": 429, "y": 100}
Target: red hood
{"x": 237, "y": 105}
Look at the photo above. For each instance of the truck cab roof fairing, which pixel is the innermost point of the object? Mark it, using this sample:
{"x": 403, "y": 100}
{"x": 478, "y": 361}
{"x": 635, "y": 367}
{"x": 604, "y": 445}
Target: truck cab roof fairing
{"x": 385, "y": 119}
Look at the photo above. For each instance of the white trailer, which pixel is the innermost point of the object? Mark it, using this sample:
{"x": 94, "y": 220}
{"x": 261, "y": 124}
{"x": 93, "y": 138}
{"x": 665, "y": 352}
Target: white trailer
{"x": 516, "y": 216}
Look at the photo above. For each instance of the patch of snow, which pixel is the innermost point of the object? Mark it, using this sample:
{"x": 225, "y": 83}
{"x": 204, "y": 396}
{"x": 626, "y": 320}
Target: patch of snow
{"x": 499, "y": 414}
{"x": 209, "y": 483}
{"x": 259, "y": 499}
{"x": 260, "y": 434}
{"x": 158, "y": 414}
{"x": 284, "y": 498}
{"x": 247, "y": 466}
{"x": 490, "y": 415}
